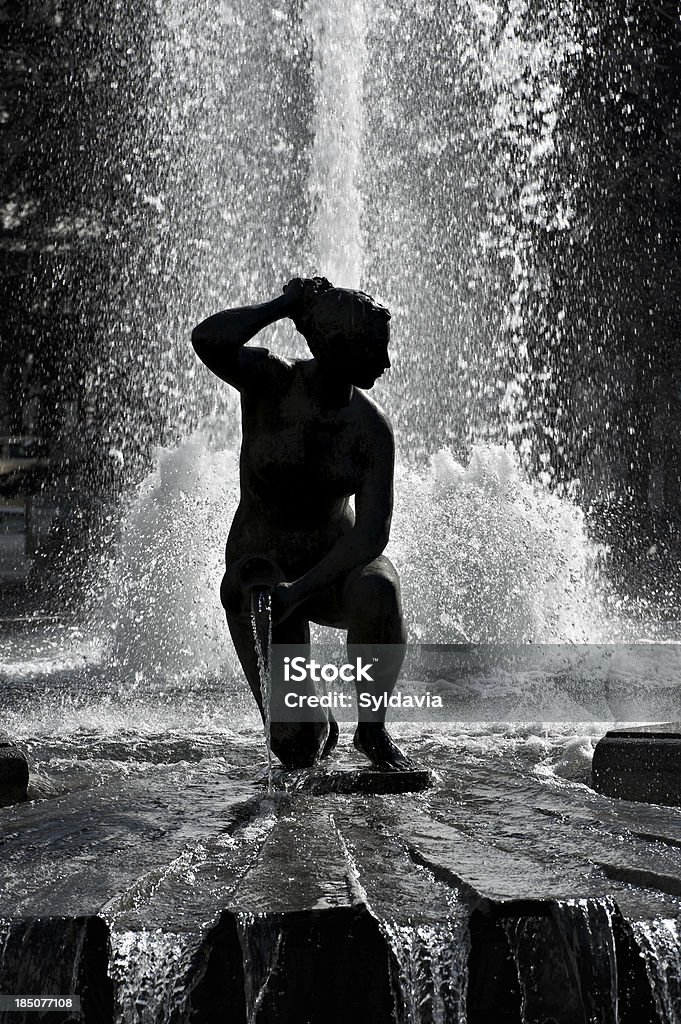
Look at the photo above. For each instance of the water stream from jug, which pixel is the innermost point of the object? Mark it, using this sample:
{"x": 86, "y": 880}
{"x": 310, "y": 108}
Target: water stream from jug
{"x": 261, "y": 624}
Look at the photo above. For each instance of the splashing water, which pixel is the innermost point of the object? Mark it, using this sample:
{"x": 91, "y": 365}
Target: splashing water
{"x": 411, "y": 155}
{"x": 480, "y": 551}
{"x": 526, "y": 64}
{"x": 486, "y": 554}
{"x": 409, "y": 149}
{"x": 409, "y": 152}
{"x": 407, "y": 137}
{"x": 162, "y": 613}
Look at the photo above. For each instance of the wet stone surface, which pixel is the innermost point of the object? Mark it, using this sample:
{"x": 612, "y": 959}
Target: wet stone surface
{"x": 184, "y": 888}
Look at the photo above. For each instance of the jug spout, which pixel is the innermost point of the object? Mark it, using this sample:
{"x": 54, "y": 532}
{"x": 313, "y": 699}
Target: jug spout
{"x": 248, "y": 573}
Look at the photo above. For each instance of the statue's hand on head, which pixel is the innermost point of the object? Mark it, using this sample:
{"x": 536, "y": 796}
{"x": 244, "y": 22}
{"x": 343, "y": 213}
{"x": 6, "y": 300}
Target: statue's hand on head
{"x": 300, "y": 290}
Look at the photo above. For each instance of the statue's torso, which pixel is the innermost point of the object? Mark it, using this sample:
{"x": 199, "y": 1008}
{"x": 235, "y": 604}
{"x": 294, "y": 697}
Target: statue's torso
{"x": 300, "y": 463}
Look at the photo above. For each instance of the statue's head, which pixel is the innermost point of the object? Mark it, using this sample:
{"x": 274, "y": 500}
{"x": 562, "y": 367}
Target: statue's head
{"x": 346, "y": 331}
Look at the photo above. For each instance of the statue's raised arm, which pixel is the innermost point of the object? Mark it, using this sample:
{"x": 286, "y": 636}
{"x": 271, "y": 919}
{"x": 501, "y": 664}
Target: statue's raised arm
{"x": 219, "y": 341}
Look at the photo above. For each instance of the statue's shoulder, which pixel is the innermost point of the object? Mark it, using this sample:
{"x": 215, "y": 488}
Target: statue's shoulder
{"x": 373, "y": 415}
{"x": 277, "y": 369}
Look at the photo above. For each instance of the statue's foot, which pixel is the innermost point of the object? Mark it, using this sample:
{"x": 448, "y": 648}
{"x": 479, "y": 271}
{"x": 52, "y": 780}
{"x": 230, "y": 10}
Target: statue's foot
{"x": 373, "y": 740}
{"x": 332, "y": 738}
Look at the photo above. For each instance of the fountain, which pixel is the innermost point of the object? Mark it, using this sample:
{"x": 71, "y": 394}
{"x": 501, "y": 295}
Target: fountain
{"x": 414, "y": 150}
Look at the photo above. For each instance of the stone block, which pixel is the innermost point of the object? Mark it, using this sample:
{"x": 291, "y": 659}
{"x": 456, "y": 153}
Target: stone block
{"x": 640, "y": 763}
{"x": 13, "y": 775}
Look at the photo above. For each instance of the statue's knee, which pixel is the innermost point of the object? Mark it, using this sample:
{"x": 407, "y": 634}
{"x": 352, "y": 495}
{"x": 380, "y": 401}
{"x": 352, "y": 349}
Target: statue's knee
{"x": 298, "y": 745}
{"x": 382, "y": 591}
{"x": 379, "y": 595}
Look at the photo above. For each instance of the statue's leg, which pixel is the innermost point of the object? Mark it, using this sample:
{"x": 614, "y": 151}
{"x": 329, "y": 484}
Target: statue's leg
{"x": 372, "y": 611}
{"x": 296, "y": 744}
{"x": 372, "y": 608}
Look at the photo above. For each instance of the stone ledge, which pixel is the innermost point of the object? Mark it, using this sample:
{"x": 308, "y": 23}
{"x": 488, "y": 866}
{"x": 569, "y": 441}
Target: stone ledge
{"x": 336, "y": 965}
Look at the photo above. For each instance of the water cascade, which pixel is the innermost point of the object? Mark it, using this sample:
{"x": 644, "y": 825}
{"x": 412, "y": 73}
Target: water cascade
{"x": 428, "y": 948}
{"x": 660, "y": 946}
{"x": 580, "y": 932}
{"x": 411, "y": 155}
{"x": 149, "y": 972}
{"x": 337, "y": 32}
{"x": 260, "y": 942}
{"x": 429, "y": 979}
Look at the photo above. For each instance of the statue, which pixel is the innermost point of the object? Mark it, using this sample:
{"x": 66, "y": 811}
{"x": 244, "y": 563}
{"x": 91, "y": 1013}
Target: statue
{"x": 311, "y": 439}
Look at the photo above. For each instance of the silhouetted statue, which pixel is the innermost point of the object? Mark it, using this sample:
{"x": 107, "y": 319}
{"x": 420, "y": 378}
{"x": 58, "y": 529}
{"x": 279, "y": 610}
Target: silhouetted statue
{"x": 311, "y": 439}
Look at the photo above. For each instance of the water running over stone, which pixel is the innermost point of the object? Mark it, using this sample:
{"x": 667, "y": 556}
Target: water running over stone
{"x": 580, "y": 967}
{"x": 149, "y": 971}
{"x": 660, "y": 945}
{"x": 260, "y": 940}
{"x": 424, "y": 923}
{"x": 428, "y": 979}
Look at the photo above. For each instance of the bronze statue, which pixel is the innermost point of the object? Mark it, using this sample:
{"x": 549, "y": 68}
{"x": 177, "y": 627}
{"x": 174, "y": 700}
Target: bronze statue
{"x": 311, "y": 439}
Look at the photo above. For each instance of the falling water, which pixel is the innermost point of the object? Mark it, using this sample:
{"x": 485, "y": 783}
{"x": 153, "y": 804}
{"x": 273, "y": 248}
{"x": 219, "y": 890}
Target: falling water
{"x": 430, "y": 981}
{"x": 336, "y": 30}
{"x": 260, "y": 939}
{"x": 527, "y": 64}
{"x": 5, "y": 929}
{"x": 582, "y": 968}
{"x": 660, "y": 945}
{"x": 149, "y": 973}
{"x": 429, "y": 972}
{"x": 261, "y": 624}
